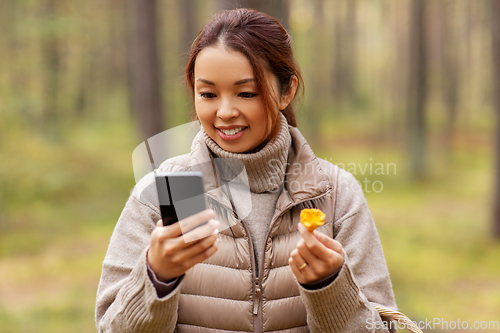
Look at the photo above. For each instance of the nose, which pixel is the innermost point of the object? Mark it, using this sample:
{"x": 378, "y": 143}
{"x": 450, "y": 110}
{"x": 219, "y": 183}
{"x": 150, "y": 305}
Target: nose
{"x": 227, "y": 110}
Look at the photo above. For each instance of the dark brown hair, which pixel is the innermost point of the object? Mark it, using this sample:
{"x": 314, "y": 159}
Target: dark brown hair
{"x": 266, "y": 44}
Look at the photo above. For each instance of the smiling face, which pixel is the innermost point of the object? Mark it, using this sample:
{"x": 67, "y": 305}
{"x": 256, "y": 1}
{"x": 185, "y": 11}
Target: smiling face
{"x": 227, "y": 101}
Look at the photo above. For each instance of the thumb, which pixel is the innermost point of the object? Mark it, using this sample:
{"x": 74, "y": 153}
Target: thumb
{"x": 328, "y": 241}
{"x": 159, "y": 223}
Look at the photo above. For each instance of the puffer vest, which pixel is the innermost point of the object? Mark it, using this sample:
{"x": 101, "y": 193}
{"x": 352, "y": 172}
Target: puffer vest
{"x": 225, "y": 292}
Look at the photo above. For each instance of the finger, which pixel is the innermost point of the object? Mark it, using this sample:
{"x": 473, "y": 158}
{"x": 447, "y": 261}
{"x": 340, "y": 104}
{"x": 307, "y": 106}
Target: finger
{"x": 313, "y": 244}
{"x": 297, "y": 259}
{"x": 296, "y": 271}
{"x": 195, "y": 248}
{"x": 199, "y": 233}
{"x": 160, "y": 233}
{"x": 203, "y": 255}
{"x": 176, "y": 229}
{"x": 196, "y": 220}
{"x": 304, "y": 251}
{"x": 174, "y": 247}
{"x": 328, "y": 241}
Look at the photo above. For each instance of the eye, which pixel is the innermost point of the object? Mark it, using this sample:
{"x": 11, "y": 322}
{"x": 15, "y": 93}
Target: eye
{"x": 207, "y": 95}
{"x": 247, "y": 95}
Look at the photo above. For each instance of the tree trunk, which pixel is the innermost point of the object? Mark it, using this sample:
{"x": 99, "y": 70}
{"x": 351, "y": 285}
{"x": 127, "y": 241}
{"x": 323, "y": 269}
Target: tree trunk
{"x": 495, "y": 26}
{"x": 318, "y": 91}
{"x": 451, "y": 77}
{"x": 350, "y": 52}
{"x": 52, "y": 64}
{"x": 417, "y": 130}
{"x": 188, "y": 32}
{"x": 338, "y": 65}
{"x": 344, "y": 57}
{"x": 399, "y": 71}
{"x": 145, "y": 69}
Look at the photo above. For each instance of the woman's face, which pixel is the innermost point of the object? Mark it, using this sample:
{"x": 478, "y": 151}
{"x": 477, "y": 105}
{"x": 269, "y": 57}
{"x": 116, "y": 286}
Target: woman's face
{"x": 226, "y": 100}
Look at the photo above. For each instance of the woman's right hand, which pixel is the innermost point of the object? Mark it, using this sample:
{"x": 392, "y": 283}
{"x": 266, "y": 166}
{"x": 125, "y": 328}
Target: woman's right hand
{"x": 171, "y": 253}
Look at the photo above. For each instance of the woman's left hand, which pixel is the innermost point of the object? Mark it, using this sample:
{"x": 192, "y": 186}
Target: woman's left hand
{"x": 322, "y": 256}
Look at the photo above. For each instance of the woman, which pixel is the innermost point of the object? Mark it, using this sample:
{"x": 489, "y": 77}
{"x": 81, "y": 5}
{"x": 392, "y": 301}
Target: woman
{"x": 265, "y": 272}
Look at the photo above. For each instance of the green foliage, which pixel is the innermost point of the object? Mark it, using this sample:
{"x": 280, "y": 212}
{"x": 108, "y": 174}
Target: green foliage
{"x": 61, "y": 203}
{"x": 436, "y": 233}
{"x": 61, "y": 213}
{"x": 66, "y": 171}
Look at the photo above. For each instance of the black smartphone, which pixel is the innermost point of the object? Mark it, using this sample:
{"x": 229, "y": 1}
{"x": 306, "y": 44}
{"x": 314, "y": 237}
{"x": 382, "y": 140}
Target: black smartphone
{"x": 181, "y": 194}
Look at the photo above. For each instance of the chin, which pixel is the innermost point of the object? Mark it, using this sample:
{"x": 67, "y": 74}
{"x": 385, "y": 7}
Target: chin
{"x": 237, "y": 149}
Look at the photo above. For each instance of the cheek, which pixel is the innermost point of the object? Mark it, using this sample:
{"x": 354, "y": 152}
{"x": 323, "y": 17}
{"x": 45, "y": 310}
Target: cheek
{"x": 261, "y": 119}
{"x": 205, "y": 116}
{"x": 201, "y": 110}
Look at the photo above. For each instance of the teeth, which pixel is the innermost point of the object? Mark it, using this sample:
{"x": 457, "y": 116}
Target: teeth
{"x": 232, "y": 131}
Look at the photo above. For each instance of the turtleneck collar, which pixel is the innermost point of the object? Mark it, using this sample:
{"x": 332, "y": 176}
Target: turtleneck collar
{"x": 266, "y": 167}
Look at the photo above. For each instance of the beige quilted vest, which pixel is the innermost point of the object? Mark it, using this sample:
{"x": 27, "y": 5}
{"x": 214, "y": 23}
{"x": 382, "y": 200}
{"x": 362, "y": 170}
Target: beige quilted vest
{"x": 225, "y": 292}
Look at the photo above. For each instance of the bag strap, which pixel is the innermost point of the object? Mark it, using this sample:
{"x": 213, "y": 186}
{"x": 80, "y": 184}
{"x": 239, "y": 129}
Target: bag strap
{"x": 399, "y": 317}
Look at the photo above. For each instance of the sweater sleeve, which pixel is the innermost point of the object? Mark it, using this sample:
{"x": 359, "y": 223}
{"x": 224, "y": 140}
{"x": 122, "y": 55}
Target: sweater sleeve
{"x": 323, "y": 282}
{"x": 127, "y": 300}
{"x": 346, "y": 304}
{"x": 162, "y": 288}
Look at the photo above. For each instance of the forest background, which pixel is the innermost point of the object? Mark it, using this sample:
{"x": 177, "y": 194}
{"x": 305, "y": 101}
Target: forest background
{"x": 404, "y": 94}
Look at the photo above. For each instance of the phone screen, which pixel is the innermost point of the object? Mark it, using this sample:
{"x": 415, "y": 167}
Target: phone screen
{"x": 180, "y": 194}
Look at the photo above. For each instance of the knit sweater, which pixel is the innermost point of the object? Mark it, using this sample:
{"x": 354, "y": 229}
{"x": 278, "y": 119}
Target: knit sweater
{"x": 128, "y": 302}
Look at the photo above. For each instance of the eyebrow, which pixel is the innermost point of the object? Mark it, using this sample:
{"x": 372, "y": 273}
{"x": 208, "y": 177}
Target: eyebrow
{"x": 251, "y": 79}
{"x": 236, "y": 83}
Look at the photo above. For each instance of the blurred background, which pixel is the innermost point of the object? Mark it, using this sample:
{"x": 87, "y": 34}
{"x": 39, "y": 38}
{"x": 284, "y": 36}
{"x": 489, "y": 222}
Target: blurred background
{"x": 404, "y": 94}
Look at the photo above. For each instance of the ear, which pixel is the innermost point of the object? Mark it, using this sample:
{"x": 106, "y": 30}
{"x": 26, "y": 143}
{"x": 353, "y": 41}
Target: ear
{"x": 288, "y": 96}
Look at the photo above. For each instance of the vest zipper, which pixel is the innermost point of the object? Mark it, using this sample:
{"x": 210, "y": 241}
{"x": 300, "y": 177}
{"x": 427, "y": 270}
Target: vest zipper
{"x": 256, "y": 300}
{"x": 256, "y": 288}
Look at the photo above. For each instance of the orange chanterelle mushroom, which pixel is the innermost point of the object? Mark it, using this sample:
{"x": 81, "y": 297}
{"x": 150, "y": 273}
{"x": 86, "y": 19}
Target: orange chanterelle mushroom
{"x": 312, "y": 218}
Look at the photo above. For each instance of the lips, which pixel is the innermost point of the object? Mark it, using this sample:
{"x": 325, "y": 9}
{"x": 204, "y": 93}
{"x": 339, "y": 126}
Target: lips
{"x": 231, "y": 133}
